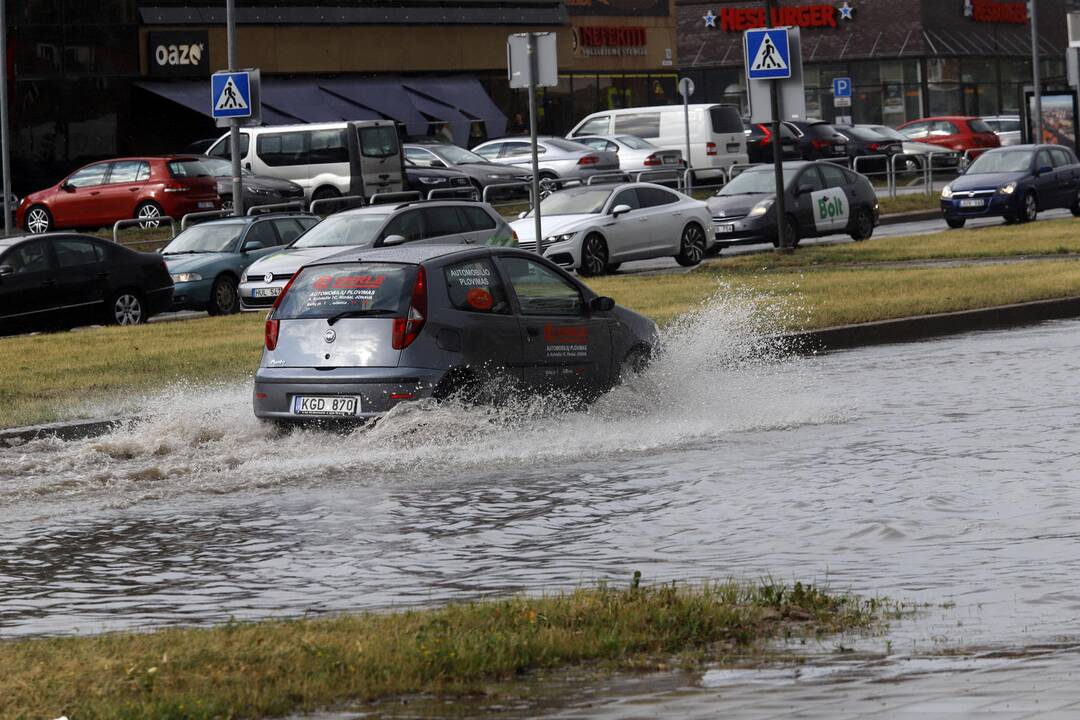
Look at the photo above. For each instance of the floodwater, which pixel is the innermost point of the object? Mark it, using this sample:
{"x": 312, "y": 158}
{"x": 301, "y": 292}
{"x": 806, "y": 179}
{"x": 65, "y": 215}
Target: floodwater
{"x": 940, "y": 472}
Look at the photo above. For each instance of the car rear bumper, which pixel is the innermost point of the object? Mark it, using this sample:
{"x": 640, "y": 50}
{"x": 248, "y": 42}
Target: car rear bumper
{"x": 379, "y": 389}
{"x": 158, "y": 300}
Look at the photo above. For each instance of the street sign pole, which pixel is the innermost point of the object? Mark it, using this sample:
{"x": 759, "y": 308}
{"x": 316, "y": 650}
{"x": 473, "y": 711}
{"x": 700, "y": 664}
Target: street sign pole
{"x": 778, "y": 153}
{"x": 5, "y": 140}
{"x": 234, "y": 125}
{"x": 533, "y": 70}
{"x": 1036, "y": 122}
{"x": 686, "y": 87}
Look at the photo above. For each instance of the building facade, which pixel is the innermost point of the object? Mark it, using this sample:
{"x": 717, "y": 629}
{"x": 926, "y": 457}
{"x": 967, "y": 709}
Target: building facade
{"x": 113, "y": 77}
{"x": 906, "y": 58}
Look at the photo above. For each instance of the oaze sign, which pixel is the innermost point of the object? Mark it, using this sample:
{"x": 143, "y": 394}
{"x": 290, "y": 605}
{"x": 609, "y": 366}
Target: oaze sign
{"x": 178, "y": 52}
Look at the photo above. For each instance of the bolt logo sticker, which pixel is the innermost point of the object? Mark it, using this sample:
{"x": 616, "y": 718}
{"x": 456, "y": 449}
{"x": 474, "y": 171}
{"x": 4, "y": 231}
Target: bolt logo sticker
{"x": 830, "y": 209}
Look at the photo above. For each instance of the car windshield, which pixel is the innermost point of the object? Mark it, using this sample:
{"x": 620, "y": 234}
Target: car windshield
{"x": 574, "y": 202}
{"x": 343, "y": 230}
{"x": 889, "y": 132}
{"x": 454, "y": 155}
{"x": 999, "y": 162}
{"x": 753, "y": 182}
{"x": 635, "y": 143}
{"x": 206, "y": 238}
{"x": 221, "y": 168}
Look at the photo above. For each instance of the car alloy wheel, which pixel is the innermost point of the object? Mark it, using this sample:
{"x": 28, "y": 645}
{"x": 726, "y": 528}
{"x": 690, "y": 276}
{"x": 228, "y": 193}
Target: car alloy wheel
{"x": 594, "y": 256}
{"x": 37, "y": 220}
{"x": 692, "y": 247}
{"x": 127, "y": 309}
{"x": 150, "y": 214}
{"x": 1031, "y": 208}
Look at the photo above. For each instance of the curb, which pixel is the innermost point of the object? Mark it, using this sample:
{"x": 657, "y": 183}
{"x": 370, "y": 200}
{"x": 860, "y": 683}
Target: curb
{"x": 75, "y": 430}
{"x": 906, "y": 217}
{"x": 921, "y": 327}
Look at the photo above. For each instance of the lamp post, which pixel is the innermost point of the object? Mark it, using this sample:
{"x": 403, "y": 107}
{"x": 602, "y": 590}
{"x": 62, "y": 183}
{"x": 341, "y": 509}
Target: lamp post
{"x": 1036, "y": 121}
{"x": 234, "y": 127}
{"x": 778, "y": 154}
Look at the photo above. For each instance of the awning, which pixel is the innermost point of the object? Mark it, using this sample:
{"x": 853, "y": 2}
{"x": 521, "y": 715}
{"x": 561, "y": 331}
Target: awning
{"x": 413, "y": 102}
{"x": 391, "y": 12}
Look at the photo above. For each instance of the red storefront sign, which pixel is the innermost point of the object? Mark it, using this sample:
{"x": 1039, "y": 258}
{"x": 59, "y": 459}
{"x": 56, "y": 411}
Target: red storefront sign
{"x": 991, "y": 11}
{"x": 612, "y": 36}
{"x": 804, "y": 16}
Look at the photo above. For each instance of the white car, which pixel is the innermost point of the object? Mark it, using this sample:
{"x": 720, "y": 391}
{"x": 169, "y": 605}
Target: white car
{"x": 595, "y": 228}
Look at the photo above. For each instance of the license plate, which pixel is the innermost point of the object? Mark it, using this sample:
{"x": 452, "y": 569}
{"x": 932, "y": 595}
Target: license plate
{"x": 206, "y": 204}
{"x": 266, "y": 292}
{"x": 669, "y": 161}
{"x": 725, "y": 228}
{"x": 336, "y": 405}
{"x": 972, "y": 203}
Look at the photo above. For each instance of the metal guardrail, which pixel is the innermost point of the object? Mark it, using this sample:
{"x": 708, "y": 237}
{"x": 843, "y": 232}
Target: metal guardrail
{"x": 880, "y": 157}
{"x": 460, "y": 193}
{"x": 660, "y": 176}
{"x": 607, "y": 177}
{"x": 489, "y": 190}
{"x": 141, "y": 221}
{"x": 294, "y": 204}
{"x": 391, "y": 197}
{"x": 358, "y": 199}
{"x": 736, "y": 169}
{"x": 186, "y": 220}
{"x": 906, "y": 157}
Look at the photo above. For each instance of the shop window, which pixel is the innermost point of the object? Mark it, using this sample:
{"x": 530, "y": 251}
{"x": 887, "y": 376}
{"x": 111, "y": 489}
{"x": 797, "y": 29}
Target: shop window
{"x": 636, "y": 91}
{"x": 558, "y": 108}
{"x": 586, "y": 99}
{"x": 662, "y": 88}
{"x": 101, "y": 50}
{"x": 39, "y": 52}
{"x": 34, "y": 12}
{"x": 946, "y": 99}
{"x": 979, "y": 70}
{"x": 609, "y": 93}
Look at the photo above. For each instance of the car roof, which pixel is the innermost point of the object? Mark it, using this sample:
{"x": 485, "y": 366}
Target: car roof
{"x": 253, "y": 218}
{"x": 387, "y": 208}
{"x": 409, "y": 253}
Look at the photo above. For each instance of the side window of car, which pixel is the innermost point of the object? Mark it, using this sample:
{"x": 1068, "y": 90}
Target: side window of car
{"x": 408, "y": 225}
{"x": 74, "y": 252}
{"x": 1042, "y": 159}
{"x": 477, "y": 219}
{"x": 627, "y": 197}
{"x": 263, "y": 233}
{"x": 88, "y": 176}
{"x": 594, "y": 143}
{"x": 610, "y": 147}
{"x": 287, "y": 230}
{"x": 421, "y": 157}
{"x": 944, "y": 127}
{"x": 328, "y": 146}
{"x": 516, "y": 149}
{"x": 125, "y": 171}
{"x": 834, "y": 176}
{"x": 596, "y": 126}
{"x": 490, "y": 151}
{"x": 917, "y": 130}
{"x": 475, "y": 286}
{"x": 282, "y": 149}
{"x": 811, "y": 179}
{"x": 30, "y": 257}
{"x": 441, "y": 221}
{"x": 653, "y": 197}
{"x": 1061, "y": 157}
{"x": 540, "y": 291}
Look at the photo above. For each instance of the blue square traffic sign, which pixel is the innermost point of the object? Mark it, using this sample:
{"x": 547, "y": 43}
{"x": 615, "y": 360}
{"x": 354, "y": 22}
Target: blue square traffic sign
{"x": 767, "y": 54}
{"x": 841, "y": 87}
{"x": 230, "y": 95}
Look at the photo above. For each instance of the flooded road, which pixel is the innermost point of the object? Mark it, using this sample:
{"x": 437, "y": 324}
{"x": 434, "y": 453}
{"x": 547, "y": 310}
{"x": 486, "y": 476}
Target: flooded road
{"x": 941, "y": 472}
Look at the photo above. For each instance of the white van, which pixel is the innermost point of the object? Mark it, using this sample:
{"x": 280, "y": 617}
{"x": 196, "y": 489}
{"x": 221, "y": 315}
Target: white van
{"x": 716, "y": 131}
{"x": 326, "y": 159}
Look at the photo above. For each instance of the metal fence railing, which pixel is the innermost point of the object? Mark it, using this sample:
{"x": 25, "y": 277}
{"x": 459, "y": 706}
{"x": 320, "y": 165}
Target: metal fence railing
{"x": 190, "y": 218}
{"x": 661, "y": 177}
{"x": 144, "y": 223}
{"x": 274, "y": 207}
{"x": 460, "y": 193}
{"x": 874, "y": 161}
{"x": 345, "y": 201}
{"x": 393, "y": 197}
{"x": 607, "y": 177}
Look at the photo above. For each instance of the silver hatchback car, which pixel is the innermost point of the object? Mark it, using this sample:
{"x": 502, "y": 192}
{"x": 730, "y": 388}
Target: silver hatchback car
{"x": 428, "y": 222}
{"x": 559, "y": 159}
{"x": 367, "y": 329}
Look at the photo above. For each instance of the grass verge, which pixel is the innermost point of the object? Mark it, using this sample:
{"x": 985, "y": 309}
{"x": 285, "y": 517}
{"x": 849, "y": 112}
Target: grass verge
{"x": 272, "y": 668}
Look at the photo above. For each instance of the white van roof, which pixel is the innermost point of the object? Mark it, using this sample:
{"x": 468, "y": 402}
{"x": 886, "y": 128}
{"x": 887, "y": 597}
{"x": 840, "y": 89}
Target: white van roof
{"x": 656, "y": 108}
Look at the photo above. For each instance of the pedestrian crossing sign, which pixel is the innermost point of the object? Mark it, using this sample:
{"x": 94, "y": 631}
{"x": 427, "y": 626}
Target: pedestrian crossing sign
{"x": 767, "y": 54}
{"x": 230, "y": 95}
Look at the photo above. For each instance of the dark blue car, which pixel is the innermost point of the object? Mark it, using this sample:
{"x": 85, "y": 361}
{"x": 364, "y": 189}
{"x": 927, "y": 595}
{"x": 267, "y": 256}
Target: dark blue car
{"x": 207, "y": 260}
{"x": 1015, "y": 183}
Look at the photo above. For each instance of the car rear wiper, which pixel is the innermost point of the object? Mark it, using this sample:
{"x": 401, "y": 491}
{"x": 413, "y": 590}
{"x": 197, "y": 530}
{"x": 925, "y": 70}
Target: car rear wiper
{"x": 370, "y": 312}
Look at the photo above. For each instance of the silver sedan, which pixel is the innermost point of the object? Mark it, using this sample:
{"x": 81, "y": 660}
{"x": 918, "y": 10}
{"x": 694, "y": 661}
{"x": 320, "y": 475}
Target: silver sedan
{"x": 559, "y": 159}
{"x": 635, "y": 154}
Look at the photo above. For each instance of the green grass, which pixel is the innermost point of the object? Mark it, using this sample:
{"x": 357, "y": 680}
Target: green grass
{"x": 273, "y": 668}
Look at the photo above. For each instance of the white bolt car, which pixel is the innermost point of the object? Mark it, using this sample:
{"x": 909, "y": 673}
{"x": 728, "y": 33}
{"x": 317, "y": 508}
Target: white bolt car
{"x": 595, "y": 228}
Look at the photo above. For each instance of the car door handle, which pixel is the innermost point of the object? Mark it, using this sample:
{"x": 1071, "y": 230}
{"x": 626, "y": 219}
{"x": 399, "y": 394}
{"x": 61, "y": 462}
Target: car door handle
{"x": 95, "y": 192}
{"x": 677, "y": 213}
{"x": 134, "y": 189}
{"x": 643, "y": 220}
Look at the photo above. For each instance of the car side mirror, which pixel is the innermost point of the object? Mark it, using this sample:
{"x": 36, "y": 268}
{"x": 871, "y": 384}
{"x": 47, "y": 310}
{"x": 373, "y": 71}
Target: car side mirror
{"x": 620, "y": 210}
{"x": 251, "y": 245}
{"x": 247, "y": 166}
{"x": 6, "y": 270}
{"x": 1044, "y": 169}
{"x": 803, "y": 189}
{"x": 437, "y": 164}
{"x": 601, "y": 304}
{"x": 393, "y": 240}
{"x": 523, "y": 214}
{"x": 67, "y": 187}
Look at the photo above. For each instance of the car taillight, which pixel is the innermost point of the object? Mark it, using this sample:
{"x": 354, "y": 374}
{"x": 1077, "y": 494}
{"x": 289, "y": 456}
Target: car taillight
{"x": 766, "y": 139}
{"x": 710, "y": 149}
{"x": 653, "y": 160}
{"x": 270, "y": 333}
{"x": 874, "y": 146}
{"x": 407, "y": 328}
{"x": 176, "y": 187}
{"x": 589, "y": 160}
{"x": 820, "y": 144}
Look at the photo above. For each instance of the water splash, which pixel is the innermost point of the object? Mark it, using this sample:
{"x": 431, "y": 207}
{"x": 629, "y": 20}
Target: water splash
{"x": 720, "y": 370}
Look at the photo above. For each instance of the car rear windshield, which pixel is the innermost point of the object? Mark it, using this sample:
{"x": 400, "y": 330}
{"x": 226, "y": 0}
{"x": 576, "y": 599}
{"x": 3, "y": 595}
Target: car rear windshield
{"x": 635, "y": 143}
{"x": 378, "y": 142}
{"x": 820, "y": 130}
{"x": 188, "y": 169}
{"x": 998, "y": 162}
{"x": 979, "y": 126}
{"x": 210, "y": 238}
{"x": 344, "y": 230}
{"x": 323, "y": 291}
{"x": 567, "y": 145}
{"x": 725, "y": 119}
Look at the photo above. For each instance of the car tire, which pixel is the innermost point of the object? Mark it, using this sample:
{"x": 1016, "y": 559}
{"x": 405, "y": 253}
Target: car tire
{"x": 594, "y": 256}
{"x": 224, "y": 296}
{"x": 1010, "y": 219}
{"x": 862, "y": 225}
{"x": 125, "y": 307}
{"x": 1030, "y": 211}
{"x": 38, "y": 220}
{"x": 636, "y": 362}
{"x": 146, "y": 212}
{"x": 792, "y": 232}
{"x": 955, "y": 223}
{"x": 613, "y": 267}
{"x": 1075, "y": 207}
{"x": 691, "y": 246}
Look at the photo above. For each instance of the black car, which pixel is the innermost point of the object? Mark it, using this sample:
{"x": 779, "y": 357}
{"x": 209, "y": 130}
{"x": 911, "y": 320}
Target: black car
{"x": 425, "y": 179}
{"x": 817, "y": 140}
{"x": 862, "y": 142}
{"x": 821, "y": 198}
{"x": 480, "y": 171}
{"x": 1015, "y": 183}
{"x": 258, "y": 189}
{"x": 64, "y": 279}
{"x": 759, "y": 147}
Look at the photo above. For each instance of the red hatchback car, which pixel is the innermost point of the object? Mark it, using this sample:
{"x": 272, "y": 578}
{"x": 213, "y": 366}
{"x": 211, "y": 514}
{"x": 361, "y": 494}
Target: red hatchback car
{"x": 101, "y": 193}
{"x": 955, "y": 133}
